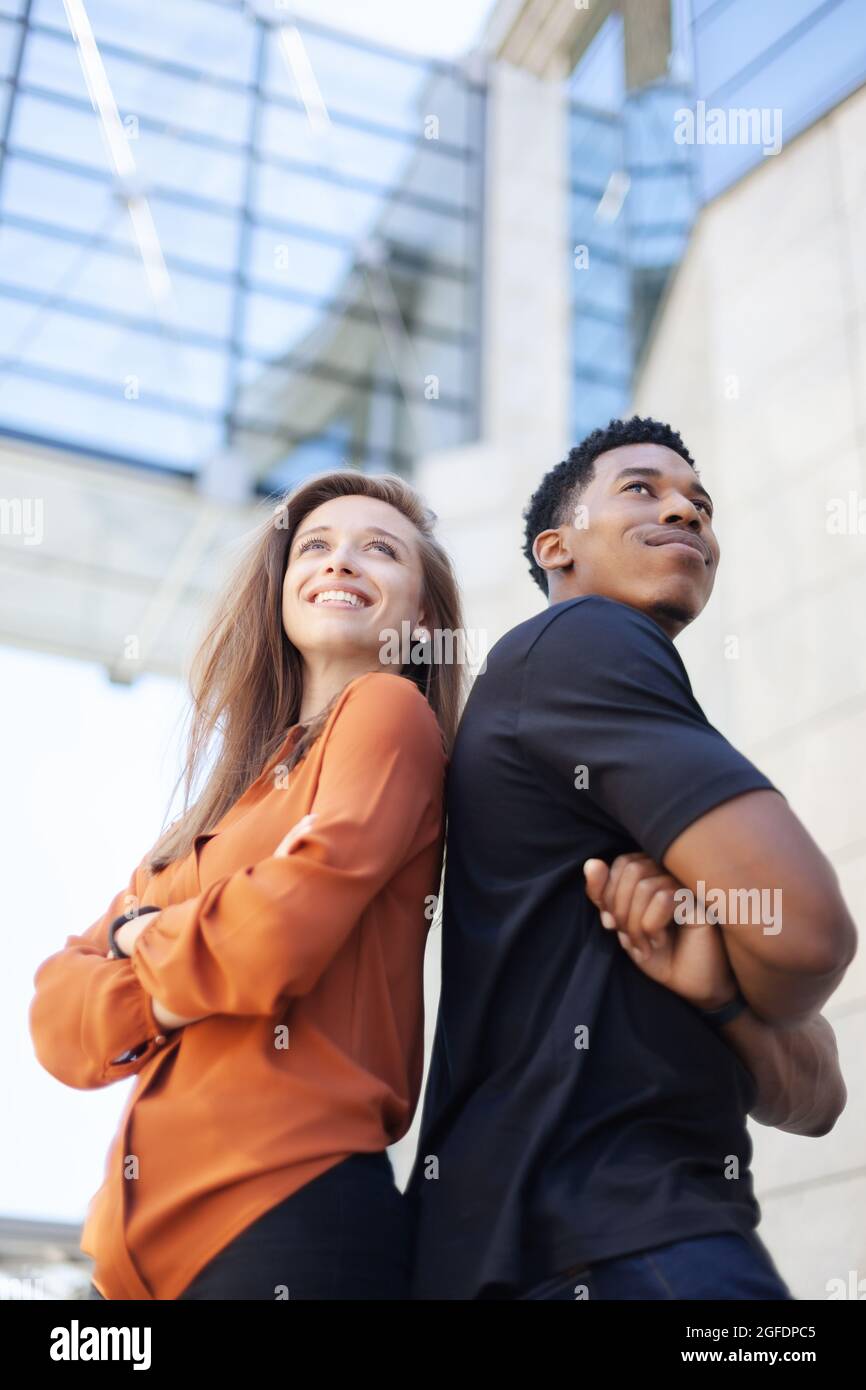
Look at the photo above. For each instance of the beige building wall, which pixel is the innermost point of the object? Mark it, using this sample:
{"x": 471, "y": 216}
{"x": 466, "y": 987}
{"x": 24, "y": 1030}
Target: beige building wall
{"x": 479, "y": 491}
{"x": 759, "y": 359}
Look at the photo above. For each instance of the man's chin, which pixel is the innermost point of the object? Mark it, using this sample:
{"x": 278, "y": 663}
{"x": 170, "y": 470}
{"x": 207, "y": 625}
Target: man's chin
{"x": 674, "y": 611}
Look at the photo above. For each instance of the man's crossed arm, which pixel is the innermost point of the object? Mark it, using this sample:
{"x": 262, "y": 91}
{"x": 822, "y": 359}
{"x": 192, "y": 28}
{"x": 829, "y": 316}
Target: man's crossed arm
{"x": 796, "y": 1068}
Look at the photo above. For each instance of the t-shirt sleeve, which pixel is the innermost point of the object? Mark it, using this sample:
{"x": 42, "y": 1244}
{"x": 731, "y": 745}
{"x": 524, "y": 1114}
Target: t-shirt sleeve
{"x": 604, "y": 689}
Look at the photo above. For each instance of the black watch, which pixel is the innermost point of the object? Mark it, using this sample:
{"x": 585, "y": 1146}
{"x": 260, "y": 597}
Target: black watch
{"x": 120, "y": 922}
{"x": 718, "y": 1017}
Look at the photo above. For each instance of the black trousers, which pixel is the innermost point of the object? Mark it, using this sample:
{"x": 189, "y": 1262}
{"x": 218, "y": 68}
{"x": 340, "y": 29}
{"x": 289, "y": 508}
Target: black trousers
{"x": 345, "y": 1235}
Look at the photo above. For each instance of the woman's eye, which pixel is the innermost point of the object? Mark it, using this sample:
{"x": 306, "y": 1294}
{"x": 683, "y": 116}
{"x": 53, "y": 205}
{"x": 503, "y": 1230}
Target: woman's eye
{"x": 384, "y": 545}
{"x": 314, "y": 540}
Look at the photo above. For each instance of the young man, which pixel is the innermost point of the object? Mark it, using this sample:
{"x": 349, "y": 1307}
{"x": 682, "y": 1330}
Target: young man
{"x": 584, "y": 1126}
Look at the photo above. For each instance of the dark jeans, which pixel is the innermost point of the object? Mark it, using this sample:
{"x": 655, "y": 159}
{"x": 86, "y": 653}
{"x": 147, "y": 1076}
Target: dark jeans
{"x": 707, "y": 1267}
{"x": 345, "y": 1235}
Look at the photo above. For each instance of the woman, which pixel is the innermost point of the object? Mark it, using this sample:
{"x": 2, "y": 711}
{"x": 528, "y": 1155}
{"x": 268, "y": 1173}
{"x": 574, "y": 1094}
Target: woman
{"x": 271, "y": 1008}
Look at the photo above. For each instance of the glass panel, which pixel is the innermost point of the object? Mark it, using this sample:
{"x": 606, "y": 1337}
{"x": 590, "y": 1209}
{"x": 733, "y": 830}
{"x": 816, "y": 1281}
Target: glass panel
{"x": 310, "y": 202}
{"x": 422, "y": 167}
{"x": 193, "y": 235}
{"x": 444, "y": 238}
{"x": 352, "y": 81}
{"x": 10, "y": 38}
{"x": 299, "y": 262}
{"x": 603, "y": 285}
{"x": 599, "y": 78}
{"x": 729, "y": 38}
{"x": 69, "y": 415}
{"x": 55, "y": 196}
{"x": 358, "y": 250}
{"x": 594, "y": 405}
{"x": 218, "y": 38}
{"x": 107, "y": 279}
{"x": 287, "y": 133}
{"x": 604, "y": 343}
{"x": 70, "y": 135}
{"x": 802, "y": 81}
{"x": 136, "y": 365}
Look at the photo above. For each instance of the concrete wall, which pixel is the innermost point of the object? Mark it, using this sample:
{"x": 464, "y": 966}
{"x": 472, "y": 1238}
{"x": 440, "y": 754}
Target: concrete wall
{"x": 480, "y": 491}
{"x": 759, "y": 359}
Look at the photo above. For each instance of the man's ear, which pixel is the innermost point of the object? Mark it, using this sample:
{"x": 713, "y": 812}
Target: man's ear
{"x": 550, "y": 552}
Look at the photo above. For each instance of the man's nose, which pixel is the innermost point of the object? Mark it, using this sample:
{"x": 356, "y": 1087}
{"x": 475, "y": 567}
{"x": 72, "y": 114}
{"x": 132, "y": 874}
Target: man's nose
{"x": 679, "y": 509}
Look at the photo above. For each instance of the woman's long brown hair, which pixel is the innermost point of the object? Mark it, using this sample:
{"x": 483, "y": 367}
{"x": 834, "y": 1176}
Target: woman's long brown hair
{"x": 246, "y": 677}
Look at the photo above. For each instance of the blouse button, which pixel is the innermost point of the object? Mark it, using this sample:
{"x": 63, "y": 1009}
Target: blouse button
{"x": 159, "y": 1039}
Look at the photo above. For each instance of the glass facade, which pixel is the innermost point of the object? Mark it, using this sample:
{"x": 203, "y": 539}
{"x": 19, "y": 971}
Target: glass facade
{"x": 223, "y": 235}
{"x": 801, "y": 57}
{"x": 635, "y": 188}
{"x": 631, "y": 206}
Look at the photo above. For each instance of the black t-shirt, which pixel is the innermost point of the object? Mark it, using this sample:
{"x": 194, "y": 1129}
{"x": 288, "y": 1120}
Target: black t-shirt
{"x": 576, "y": 1109}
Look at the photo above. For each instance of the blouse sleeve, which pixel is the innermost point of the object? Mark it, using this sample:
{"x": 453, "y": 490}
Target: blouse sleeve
{"x": 90, "y": 1020}
{"x": 266, "y": 933}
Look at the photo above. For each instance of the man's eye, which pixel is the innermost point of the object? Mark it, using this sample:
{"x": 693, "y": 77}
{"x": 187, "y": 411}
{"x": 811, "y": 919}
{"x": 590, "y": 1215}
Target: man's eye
{"x": 629, "y": 486}
{"x": 706, "y": 506}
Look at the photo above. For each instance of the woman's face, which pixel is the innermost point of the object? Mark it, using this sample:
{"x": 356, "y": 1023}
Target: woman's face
{"x": 353, "y": 574}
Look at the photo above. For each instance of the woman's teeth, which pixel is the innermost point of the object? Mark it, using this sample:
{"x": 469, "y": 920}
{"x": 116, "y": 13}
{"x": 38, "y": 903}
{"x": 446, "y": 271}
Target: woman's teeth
{"x": 338, "y": 596}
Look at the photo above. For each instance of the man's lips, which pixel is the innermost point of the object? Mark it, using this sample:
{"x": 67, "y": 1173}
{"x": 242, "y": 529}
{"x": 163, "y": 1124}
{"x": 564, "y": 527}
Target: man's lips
{"x": 687, "y": 538}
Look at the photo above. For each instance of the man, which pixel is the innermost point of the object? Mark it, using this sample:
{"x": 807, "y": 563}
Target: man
{"x": 584, "y": 1126}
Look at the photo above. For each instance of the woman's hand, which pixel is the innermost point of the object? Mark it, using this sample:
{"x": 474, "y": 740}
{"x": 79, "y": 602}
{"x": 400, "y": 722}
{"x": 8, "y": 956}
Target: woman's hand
{"x": 288, "y": 841}
{"x": 126, "y": 937}
{"x": 636, "y": 899}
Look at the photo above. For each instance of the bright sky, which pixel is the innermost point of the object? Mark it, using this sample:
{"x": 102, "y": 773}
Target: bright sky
{"x": 88, "y": 769}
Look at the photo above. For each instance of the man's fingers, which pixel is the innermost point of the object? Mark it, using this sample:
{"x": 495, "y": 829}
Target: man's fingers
{"x": 630, "y": 949}
{"x": 640, "y": 927}
{"x": 634, "y": 870}
{"x": 660, "y": 909}
{"x": 662, "y": 942}
{"x": 622, "y": 864}
{"x": 595, "y": 872}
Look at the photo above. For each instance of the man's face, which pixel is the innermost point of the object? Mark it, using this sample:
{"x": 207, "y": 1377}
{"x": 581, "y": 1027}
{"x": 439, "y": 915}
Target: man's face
{"x": 642, "y": 533}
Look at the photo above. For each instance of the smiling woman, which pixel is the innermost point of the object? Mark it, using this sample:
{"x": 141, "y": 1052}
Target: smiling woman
{"x": 273, "y": 657}
{"x": 348, "y": 582}
{"x": 271, "y": 1008}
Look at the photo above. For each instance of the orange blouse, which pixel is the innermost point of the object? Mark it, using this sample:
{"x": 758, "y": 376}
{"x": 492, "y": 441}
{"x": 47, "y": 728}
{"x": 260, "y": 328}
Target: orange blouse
{"x": 311, "y": 966}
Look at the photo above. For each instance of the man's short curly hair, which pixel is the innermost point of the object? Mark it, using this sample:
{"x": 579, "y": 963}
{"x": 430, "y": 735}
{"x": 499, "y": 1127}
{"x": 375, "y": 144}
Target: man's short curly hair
{"x": 555, "y": 499}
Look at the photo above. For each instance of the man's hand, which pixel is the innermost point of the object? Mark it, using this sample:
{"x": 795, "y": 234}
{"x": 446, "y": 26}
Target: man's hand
{"x": 800, "y": 1087}
{"x": 636, "y": 899}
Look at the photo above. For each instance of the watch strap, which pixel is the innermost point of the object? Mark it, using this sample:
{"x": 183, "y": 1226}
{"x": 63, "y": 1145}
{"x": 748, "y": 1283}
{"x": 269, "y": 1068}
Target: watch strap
{"x": 718, "y": 1017}
{"x": 120, "y": 922}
